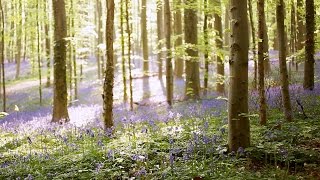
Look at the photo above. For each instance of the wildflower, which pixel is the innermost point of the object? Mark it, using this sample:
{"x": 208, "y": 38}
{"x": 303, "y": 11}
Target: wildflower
{"x": 141, "y": 172}
{"x": 110, "y": 154}
{"x": 240, "y": 151}
{"x": 29, "y": 177}
{"x": 99, "y": 166}
{"x": 171, "y": 158}
{"x": 100, "y": 143}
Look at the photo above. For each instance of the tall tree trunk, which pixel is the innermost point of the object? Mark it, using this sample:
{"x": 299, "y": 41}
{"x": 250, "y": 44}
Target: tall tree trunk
{"x": 282, "y": 62}
{"x": 74, "y": 53}
{"x": 266, "y": 61}
{"x": 124, "y": 74}
{"x": 219, "y": 44}
{"x": 39, "y": 52}
{"x": 192, "y": 63}
{"x": 309, "y": 47}
{"x": 275, "y": 38}
{"x": 144, "y": 37}
{"x": 179, "y": 62}
{"x": 169, "y": 73}
{"x": 293, "y": 34}
{"x": 227, "y": 27}
{"x": 19, "y": 34}
{"x": 100, "y": 38}
{"x": 60, "y": 100}
{"x": 300, "y": 35}
{"x": 261, "y": 56}
{"x": 109, "y": 73}
{"x": 129, "y": 53}
{"x": 47, "y": 44}
{"x": 239, "y": 127}
{"x": 2, "y": 60}
{"x": 160, "y": 25}
{"x": 253, "y": 34}
{"x": 206, "y": 44}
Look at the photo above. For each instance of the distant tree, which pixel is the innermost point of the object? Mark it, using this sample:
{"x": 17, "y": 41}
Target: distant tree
{"x": 253, "y": 35}
{"x": 144, "y": 37}
{"x": 239, "y": 127}
{"x": 129, "y": 53}
{"x": 282, "y": 62}
{"x": 219, "y": 44}
{"x": 309, "y": 46}
{"x": 60, "y": 100}
{"x": 2, "y": 45}
{"x": 18, "y": 21}
{"x": 192, "y": 61}
{"x": 206, "y": 44}
{"x": 109, "y": 72}
{"x": 99, "y": 54}
{"x": 123, "y": 64}
{"x": 261, "y": 57}
{"x": 179, "y": 62}
{"x": 38, "y": 52}
{"x": 300, "y": 29}
{"x": 47, "y": 43}
{"x": 160, "y": 33}
{"x": 169, "y": 72}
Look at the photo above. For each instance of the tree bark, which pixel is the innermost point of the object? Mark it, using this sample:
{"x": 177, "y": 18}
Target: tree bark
{"x": 179, "y": 62}
{"x": 124, "y": 72}
{"x": 144, "y": 37}
{"x": 109, "y": 73}
{"x": 300, "y": 34}
{"x": 239, "y": 127}
{"x": 253, "y": 34}
{"x": 160, "y": 35}
{"x": 309, "y": 47}
{"x": 282, "y": 62}
{"x": 219, "y": 44}
{"x": 60, "y": 100}
{"x": 169, "y": 73}
{"x": 47, "y": 45}
{"x": 261, "y": 57}
{"x": 129, "y": 54}
{"x": 192, "y": 62}
{"x": 4, "y": 109}
{"x": 38, "y": 53}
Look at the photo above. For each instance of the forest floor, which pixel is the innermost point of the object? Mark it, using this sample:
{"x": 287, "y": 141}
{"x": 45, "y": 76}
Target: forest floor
{"x": 153, "y": 141}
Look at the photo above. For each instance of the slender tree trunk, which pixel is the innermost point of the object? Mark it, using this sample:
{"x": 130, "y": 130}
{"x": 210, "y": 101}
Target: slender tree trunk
{"x": 253, "y": 34}
{"x": 282, "y": 62}
{"x": 129, "y": 53}
{"x": 100, "y": 38}
{"x": 4, "y": 109}
{"x": 144, "y": 37}
{"x": 239, "y": 127}
{"x": 47, "y": 44}
{"x": 160, "y": 25}
{"x": 261, "y": 56}
{"x": 19, "y": 34}
{"x": 266, "y": 61}
{"x": 179, "y": 62}
{"x": 38, "y": 53}
{"x": 219, "y": 44}
{"x": 192, "y": 62}
{"x": 60, "y": 100}
{"x": 169, "y": 72}
{"x": 109, "y": 73}
{"x": 300, "y": 35}
{"x": 293, "y": 34}
{"x": 227, "y": 28}
{"x": 74, "y": 53}
{"x": 206, "y": 44}
{"x": 309, "y": 47}
{"x": 124, "y": 73}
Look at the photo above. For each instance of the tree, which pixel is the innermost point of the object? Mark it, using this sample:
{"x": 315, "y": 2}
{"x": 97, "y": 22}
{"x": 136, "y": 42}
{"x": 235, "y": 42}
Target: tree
{"x": 2, "y": 59}
{"x": 192, "y": 61}
{"x": 261, "y": 57}
{"x": 100, "y": 38}
{"x": 60, "y": 100}
{"x": 219, "y": 44}
{"x": 109, "y": 72}
{"x": 124, "y": 72}
{"x": 129, "y": 53}
{"x": 169, "y": 73}
{"x": 160, "y": 34}
{"x": 38, "y": 52}
{"x": 300, "y": 34}
{"x": 206, "y": 44}
{"x": 309, "y": 46}
{"x": 47, "y": 44}
{"x": 282, "y": 62}
{"x": 239, "y": 128}
{"x": 179, "y": 62}
{"x": 144, "y": 37}
{"x": 253, "y": 34}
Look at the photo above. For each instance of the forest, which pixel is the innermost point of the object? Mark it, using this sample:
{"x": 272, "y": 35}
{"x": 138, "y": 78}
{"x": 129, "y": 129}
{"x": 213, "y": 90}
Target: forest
{"x": 159, "y": 89}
